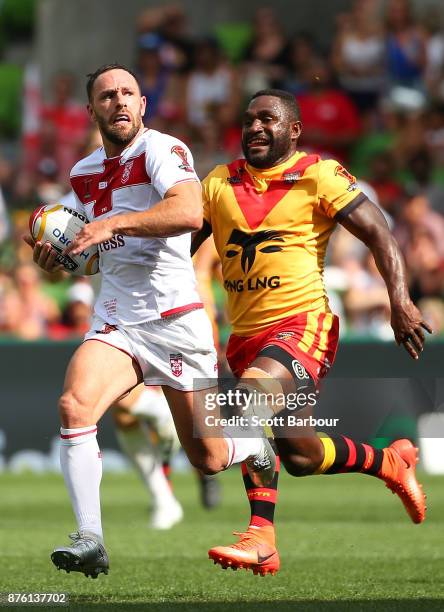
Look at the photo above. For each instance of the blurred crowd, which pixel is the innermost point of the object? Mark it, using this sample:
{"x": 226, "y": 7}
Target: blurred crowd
{"x": 372, "y": 98}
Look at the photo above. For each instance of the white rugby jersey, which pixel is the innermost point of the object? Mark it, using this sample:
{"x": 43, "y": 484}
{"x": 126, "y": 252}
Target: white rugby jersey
{"x": 142, "y": 278}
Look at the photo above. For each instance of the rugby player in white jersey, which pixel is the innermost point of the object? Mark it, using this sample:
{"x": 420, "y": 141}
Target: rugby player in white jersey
{"x": 143, "y": 199}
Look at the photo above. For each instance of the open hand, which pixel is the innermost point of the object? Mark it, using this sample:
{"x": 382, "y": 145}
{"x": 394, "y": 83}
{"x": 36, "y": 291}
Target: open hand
{"x": 408, "y": 326}
{"x": 90, "y": 234}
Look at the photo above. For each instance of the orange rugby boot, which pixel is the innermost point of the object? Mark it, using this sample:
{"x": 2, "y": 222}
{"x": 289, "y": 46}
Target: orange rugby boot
{"x": 255, "y": 550}
{"x": 398, "y": 472}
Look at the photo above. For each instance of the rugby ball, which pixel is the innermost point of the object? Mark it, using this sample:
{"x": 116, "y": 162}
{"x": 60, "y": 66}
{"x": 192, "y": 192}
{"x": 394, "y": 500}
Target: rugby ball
{"x": 59, "y": 224}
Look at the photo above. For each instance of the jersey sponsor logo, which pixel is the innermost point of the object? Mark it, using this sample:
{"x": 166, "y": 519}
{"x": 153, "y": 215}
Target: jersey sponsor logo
{"x": 252, "y": 284}
{"x": 103, "y": 184}
{"x": 182, "y": 155}
{"x": 249, "y": 244}
{"x": 341, "y": 171}
{"x": 176, "y": 364}
{"x": 299, "y": 369}
{"x": 285, "y": 335}
{"x": 126, "y": 171}
{"x": 115, "y": 242}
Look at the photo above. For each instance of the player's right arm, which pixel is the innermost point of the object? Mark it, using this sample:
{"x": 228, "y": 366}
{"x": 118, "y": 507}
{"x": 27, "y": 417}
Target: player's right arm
{"x": 342, "y": 200}
{"x": 367, "y": 223}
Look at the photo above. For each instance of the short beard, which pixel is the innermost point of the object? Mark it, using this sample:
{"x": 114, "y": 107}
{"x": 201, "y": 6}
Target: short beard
{"x": 117, "y": 137}
{"x": 277, "y": 152}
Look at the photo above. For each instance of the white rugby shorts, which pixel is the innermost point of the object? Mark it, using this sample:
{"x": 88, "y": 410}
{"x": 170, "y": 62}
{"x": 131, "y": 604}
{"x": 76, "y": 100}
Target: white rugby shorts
{"x": 177, "y": 351}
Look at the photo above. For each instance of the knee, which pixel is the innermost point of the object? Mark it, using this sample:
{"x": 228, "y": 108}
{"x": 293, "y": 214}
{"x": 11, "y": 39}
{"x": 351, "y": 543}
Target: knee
{"x": 302, "y": 463}
{"x": 72, "y": 412}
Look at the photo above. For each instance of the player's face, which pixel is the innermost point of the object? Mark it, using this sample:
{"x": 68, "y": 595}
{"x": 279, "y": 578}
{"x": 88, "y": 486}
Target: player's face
{"x": 117, "y": 107}
{"x": 269, "y": 137}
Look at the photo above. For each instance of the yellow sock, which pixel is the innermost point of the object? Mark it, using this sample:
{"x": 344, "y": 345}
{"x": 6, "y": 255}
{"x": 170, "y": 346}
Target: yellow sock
{"x": 329, "y": 453}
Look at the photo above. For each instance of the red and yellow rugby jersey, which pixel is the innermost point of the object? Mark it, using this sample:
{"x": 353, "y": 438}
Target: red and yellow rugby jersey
{"x": 271, "y": 229}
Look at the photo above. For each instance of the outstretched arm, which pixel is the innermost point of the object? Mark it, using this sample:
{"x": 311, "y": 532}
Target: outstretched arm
{"x": 367, "y": 223}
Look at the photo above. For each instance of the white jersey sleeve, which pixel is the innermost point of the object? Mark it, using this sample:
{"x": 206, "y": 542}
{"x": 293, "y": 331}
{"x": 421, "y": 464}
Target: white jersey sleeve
{"x": 168, "y": 162}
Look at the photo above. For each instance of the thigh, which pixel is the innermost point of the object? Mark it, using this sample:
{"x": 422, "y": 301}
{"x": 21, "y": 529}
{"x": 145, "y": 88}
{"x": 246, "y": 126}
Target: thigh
{"x": 290, "y": 439}
{"x": 98, "y": 374}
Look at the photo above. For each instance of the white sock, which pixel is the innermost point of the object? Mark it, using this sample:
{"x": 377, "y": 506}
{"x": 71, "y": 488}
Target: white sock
{"x": 81, "y": 463}
{"x": 136, "y": 445}
{"x": 241, "y": 448}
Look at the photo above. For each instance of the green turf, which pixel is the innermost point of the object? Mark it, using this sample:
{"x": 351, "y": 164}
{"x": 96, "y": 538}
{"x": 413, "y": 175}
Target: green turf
{"x": 346, "y": 544}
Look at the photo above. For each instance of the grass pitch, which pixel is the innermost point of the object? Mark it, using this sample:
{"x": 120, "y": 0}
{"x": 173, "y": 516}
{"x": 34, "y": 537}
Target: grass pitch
{"x": 345, "y": 542}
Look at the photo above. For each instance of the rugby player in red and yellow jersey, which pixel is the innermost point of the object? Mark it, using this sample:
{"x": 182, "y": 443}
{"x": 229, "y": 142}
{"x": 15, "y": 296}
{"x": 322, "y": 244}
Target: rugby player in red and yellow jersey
{"x": 271, "y": 215}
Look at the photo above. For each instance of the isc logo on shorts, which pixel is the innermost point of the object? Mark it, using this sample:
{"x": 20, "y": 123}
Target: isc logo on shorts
{"x": 299, "y": 369}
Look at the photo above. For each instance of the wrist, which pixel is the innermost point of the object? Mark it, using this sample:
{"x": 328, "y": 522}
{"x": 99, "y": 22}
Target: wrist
{"x": 112, "y": 224}
{"x": 399, "y": 300}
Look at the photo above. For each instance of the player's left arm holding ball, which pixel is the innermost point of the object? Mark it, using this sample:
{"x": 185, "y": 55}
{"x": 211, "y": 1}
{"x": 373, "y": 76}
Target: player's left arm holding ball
{"x": 367, "y": 223}
{"x": 43, "y": 253}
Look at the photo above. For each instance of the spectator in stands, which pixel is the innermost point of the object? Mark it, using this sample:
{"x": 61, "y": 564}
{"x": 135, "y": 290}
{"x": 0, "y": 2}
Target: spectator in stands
{"x": 416, "y": 214}
{"x": 301, "y": 52}
{"x": 425, "y": 265}
{"x": 162, "y": 87}
{"x": 434, "y": 70}
{"x": 48, "y": 188}
{"x": 169, "y": 22}
{"x": 76, "y": 316}
{"x": 4, "y": 217}
{"x": 264, "y": 58}
{"x": 366, "y": 300}
{"x": 67, "y": 120}
{"x": 212, "y": 87}
{"x": 424, "y": 179}
{"x": 331, "y": 121}
{"x": 406, "y": 52}
{"x": 26, "y": 311}
{"x": 434, "y": 134}
{"x": 382, "y": 177}
{"x": 208, "y": 149}
{"x": 358, "y": 55}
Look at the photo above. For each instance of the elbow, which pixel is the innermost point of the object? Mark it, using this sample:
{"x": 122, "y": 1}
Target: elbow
{"x": 195, "y": 222}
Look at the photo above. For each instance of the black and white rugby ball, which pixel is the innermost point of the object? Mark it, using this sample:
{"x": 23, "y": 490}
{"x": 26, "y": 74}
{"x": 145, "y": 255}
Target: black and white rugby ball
{"x": 59, "y": 224}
